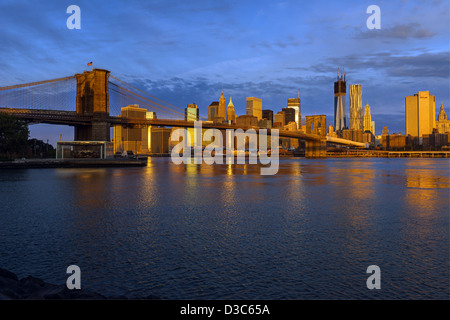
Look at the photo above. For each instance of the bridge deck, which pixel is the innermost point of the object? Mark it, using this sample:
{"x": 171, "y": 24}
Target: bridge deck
{"x": 72, "y": 118}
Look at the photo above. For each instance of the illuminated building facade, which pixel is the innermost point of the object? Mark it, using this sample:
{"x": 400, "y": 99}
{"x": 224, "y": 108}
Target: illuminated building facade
{"x": 212, "y": 110}
{"x": 353, "y": 134}
{"x": 278, "y": 119}
{"x": 247, "y": 121}
{"x": 191, "y": 113}
{"x": 442, "y": 124}
{"x": 231, "y": 113}
{"x": 294, "y": 103}
{"x": 355, "y": 110}
{"x": 369, "y": 125}
{"x": 134, "y": 139}
{"x": 222, "y": 109}
{"x": 254, "y": 107}
{"x": 420, "y": 114}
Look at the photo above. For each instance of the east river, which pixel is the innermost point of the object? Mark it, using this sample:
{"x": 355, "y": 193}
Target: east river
{"x": 227, "y": 232}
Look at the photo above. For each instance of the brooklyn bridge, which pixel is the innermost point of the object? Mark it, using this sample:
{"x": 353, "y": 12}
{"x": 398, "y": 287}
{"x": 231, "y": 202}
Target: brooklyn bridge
{"x": 91, "y": 102}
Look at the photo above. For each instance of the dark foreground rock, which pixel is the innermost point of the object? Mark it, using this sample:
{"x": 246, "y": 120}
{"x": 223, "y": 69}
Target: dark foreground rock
{"x": 11, "y": 288}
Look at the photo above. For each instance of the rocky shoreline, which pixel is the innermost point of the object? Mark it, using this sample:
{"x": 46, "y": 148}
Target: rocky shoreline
{"x": 31, "y": 288}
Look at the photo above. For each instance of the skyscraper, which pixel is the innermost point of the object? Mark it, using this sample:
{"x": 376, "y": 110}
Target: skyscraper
{"x": 369, "y": 125}
{"x": 420, "y": 114}
{"x": 212, "y": 110}
{"x": 279, "y": 119}
{"x": 355, "y": 110}
{"x": 254, "y": 107}
{"x": 268, "y": 114}
{"x": 289, "y": 115}
{"x": 340, "y": 107}
{"x": 222, "y": 110}
{"x": 191, "y": 113}
{"x": 294, "y": 103}
{"x": 442, "y": 124}
{"x": 132, "y": 138}
{"x": 231, "y": 114}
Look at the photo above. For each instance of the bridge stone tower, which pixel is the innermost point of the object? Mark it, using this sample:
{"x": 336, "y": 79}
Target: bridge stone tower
{"x": 316, "y": 125}
{"x": 93, "y": 100}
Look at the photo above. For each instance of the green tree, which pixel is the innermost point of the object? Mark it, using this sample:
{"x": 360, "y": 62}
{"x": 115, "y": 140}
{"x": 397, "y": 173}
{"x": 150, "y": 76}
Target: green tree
{"x": 40, "y": 149}
{"x": 13, "y": 135}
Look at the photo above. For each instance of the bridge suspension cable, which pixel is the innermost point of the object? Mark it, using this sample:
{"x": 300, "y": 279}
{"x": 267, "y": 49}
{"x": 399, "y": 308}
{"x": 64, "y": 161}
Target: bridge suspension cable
{"x": 136, "y": 97}
{"x": 54, "y": 94}
{"x": 35, "y": 83}
{"x": 146, "y": 103}
{"x": 171, "y": 109}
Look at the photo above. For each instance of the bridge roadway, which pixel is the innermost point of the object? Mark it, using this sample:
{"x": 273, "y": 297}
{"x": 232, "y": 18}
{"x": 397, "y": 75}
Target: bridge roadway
{"x": 72, "y": 118}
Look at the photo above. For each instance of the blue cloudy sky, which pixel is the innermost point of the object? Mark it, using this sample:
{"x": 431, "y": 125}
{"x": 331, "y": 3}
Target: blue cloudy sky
{"x": 189, "y": 51}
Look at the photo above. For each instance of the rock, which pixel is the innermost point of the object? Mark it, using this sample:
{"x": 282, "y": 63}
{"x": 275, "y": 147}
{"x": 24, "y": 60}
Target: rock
{"x": 7, "y": 274}
{"x": 37, "y": 289}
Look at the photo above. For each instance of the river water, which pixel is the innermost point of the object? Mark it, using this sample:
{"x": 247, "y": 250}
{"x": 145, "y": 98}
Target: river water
{"x": 227, "y": 232}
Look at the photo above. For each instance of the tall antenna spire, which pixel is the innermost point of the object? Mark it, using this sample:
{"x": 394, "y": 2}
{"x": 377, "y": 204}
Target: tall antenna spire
{"x": 299, "y": 93}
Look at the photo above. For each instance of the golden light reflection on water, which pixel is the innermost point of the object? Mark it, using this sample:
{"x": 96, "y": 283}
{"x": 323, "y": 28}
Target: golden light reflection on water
{"x": 295, "y": 183}
{"x": 90, "y": 195}
{"x": 229, "y": 188}
{"x": 425, "y": 179}
{"x": 354, "y": 182}
{"x": 424, "y": 184}
{"x": 88, "y": 184}
{"x": 172, "y": 221}
{"x": 423, "y": 174}
{"x": 230, "y": 169}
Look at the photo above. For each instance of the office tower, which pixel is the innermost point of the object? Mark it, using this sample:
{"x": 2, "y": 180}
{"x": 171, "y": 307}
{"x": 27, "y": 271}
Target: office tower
{"x": 368, "y": 123}
{"x": 353, "y": 134}
{"x": 420, "y": 114}
{"x": 231, "y": 114}
{"x": 279, "y": 119}
{"x": 160, "y": 139}
{"x": 132, "y": 138}
{"x": 247, "y": 121}
{"x": 268, "y": 114}
{"x": 289, "y": 115}
{"x": 222, "y": 110}
{"x": 254, "y": 107}
{"x": 355, "y": 110}
{"x": 150, "y": 115}
{"x": 340, "y": 107}
{"x": 385, "y": 131}
{"x": 442, "y": 124}
{"x": 265, "y": 123}
{"x": 191, "y": 113}
{"x": 212, "y": 110}
{"x": 294, "y": 103}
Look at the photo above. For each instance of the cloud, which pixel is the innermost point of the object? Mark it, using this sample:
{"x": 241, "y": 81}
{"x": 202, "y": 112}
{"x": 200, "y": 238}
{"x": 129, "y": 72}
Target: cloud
{"x": 416, "y": 66}
{"x": 398, "y": 31}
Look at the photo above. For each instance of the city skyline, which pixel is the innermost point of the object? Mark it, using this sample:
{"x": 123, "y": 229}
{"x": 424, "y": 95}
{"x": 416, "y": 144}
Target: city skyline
{"x": 171, "y": 51}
